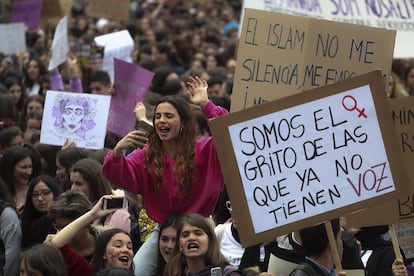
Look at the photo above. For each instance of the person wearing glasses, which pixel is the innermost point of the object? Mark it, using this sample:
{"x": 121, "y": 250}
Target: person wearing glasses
{"x": 42, "y": 191}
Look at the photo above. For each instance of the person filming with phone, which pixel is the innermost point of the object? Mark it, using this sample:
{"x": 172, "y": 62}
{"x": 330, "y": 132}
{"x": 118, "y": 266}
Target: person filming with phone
{"x": 174, "y": 172}
{"x": 112, "y": 247}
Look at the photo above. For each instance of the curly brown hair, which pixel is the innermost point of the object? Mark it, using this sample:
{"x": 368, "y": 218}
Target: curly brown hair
{"x": 184, "y": 166}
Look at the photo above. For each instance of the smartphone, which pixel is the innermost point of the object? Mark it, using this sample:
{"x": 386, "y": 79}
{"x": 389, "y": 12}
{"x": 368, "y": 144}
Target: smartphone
{"x": 145, "y": 127}
{"x": 115, "y": 203}
{"x": 216, "y": 271}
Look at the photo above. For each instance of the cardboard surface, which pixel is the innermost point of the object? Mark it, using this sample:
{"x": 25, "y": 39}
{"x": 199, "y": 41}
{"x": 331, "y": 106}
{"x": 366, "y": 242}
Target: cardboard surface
{"x": 109, "y": 9}
{"x": 402, "y": 209}
{"x": 280, "y": 55}
{"x": 309, "y": 158}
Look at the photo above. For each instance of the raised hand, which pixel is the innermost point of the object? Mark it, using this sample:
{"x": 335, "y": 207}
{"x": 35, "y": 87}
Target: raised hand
{"x": 197, "y": 91}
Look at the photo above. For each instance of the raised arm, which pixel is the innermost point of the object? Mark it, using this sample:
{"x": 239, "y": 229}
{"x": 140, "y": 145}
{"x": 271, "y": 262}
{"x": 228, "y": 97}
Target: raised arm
{"x": 65, "y": 235}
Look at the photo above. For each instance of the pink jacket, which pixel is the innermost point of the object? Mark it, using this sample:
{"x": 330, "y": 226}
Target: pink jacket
{"x": 130, "y": 173}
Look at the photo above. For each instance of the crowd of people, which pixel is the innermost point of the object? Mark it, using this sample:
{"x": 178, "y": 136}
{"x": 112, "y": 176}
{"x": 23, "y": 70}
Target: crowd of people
{"x": 55, "y": 214}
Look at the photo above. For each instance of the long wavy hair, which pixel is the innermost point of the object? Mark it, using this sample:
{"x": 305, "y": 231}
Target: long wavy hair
{"x": 184, "y": 165}
{"x": 213, "y": 256}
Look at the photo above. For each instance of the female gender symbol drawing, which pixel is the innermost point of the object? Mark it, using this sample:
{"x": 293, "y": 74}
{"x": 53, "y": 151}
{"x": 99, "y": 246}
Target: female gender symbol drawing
{"x": 74, "y": 115}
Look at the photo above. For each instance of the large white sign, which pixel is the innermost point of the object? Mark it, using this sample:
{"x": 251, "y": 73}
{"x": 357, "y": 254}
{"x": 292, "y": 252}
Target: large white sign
{"x": 314, "y": 157}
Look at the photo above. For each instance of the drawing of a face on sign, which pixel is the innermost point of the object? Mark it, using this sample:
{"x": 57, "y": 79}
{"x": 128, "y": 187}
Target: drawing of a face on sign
{"x": 74, "y": 115}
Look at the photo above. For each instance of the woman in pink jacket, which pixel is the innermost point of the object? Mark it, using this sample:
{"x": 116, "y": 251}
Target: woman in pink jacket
{"x": 174, "y": 172}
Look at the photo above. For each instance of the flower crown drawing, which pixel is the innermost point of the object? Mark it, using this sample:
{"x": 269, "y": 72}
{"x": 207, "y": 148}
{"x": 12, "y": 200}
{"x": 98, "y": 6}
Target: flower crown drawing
{"x": 87, "y": 121}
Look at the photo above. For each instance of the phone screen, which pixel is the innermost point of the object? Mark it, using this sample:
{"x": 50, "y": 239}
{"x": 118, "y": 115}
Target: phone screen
{"x": 114, "y": 203}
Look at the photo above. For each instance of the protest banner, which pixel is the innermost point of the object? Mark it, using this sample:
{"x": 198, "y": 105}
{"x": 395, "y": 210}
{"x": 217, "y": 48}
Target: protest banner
{"x": 60, "y": 44}
{"x": 400, "y": 210}
{"x": 12, "y": 38}
{"x": 27, "y": 12}
{"x": 280, "y": 54}
{"x": 117, "y": 45}
{"x": 309, "y": 157}
{"x": 78, "y": 117}
{"x": 392, "y": 14}
{"x": 109, "y": 9}
{"x": 131, "y": 85}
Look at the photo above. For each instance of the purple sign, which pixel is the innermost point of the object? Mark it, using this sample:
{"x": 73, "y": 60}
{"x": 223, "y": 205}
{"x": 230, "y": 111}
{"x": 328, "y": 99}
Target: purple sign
{"x": 27, "y": 12}
{"x": 131, "y": 84}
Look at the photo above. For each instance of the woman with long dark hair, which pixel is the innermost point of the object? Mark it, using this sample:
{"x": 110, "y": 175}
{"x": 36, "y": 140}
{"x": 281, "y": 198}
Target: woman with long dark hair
{"x": 43, "y": 190}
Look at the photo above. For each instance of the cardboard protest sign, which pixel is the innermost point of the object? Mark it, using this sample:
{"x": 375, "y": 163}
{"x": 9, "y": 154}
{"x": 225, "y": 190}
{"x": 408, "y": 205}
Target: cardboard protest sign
{"x": 52, "y": 8}
{"x": 308, "y": 158}
{"x": 12, "y": 38}
{"x": 109, "y": 9}
{"x": 79, "y": 117}
{"x": 280, "y": 54}
{"x": 402, "y": 209}
{"x": 396, "y": 15}
{"x": 117, "y": 45}
{"x": 27, "y": 12}
{"x": 405, "y": 237}
{"x": 131, "y": 85}
{"x": 60, "y": 44}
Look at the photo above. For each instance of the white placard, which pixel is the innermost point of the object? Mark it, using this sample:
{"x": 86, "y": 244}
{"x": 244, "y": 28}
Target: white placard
{"x": 60, "y": 45}
{"x": 12, "y": 38}
{"x": 311, "y": 158}
{"x": 81, "y": 118}
{"x": 117, "y": 45}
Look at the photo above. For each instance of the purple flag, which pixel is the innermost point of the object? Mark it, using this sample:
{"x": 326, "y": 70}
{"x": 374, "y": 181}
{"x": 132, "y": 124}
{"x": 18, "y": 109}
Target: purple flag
{"x": 131, "y": 84}
{"x": 27, "y": 12}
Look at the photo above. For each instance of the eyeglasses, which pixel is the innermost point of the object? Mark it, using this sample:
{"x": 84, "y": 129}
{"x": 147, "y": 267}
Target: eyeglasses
{"x": 228, "y": 205}
{"x": 42, "y": 193}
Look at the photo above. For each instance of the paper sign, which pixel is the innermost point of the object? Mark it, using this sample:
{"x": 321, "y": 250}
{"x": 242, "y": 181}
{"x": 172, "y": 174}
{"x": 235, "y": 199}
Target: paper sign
{"x": 109, "y": 9}
{"x": 402, "y": 209}
{"x": 131, "y": 86}
{"x": 12, "y": 38}
{"x": 60, "y": 45}
{"x": 79, "y": 117}
{"x": 308, "y": 158}
{"x": 396, "y": 15}
{"x": 117, "y": 45}
{"x": 279, "y": 55}
{"x": 27, "y": 12}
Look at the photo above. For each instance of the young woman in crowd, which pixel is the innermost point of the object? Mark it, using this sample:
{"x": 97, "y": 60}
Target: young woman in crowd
{"x": 113, "y": 247}
{"x": 65, "y": 159}
{"x": 68, "y": 207}
{"x": 167, "y": 241}
{"x": 42, "y": 191}
{"x": 409, "y": 79}
{"x": 15, "y": 91}
{"x": 174, "y": 172}
{"x": 32, "y": 73}
{"x": 17, "y": 166}
{"x": 197, "y": 251}
{"x": 10, "y": 231}
{"x": 42, "y": 260}
{"x": 86, "y": 176}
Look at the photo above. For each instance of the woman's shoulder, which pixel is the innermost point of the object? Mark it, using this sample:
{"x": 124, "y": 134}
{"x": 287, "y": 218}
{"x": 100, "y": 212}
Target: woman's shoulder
{"x": 9, "y": 214}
